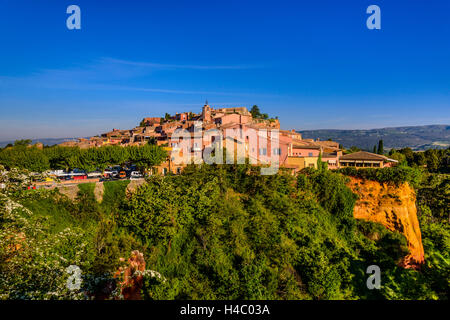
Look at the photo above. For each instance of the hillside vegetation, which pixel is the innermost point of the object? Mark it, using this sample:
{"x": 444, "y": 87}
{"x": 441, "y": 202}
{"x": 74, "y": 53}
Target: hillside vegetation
{"x": 216, "y": 232}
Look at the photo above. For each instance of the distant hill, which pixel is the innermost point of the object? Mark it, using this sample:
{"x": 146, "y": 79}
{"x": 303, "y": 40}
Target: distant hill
{"x": 417, "y": 137}
{"x": 46, "y": 141}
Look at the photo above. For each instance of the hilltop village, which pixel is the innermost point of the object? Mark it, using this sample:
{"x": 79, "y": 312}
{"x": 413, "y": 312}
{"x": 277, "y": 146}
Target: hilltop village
{"x": 291, "y": 151}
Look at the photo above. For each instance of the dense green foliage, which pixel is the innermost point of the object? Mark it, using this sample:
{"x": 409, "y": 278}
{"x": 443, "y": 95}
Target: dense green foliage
{"x": 433, "y": 203}
{"x": 39, "y": 160}
{"x": 229, "y": 233}
{"x": 219, "y": 232}
{"x": 394, "y": 175}
{"x": 113, "y": 195}
{"x": 43, "y": 232}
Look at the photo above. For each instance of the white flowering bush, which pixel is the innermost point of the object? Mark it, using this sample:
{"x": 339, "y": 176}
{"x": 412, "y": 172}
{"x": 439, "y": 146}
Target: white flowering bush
{"x": 54, "y": 248}
{"x": 156, "y": 286}
{"x": 14, "y": 179}
{"x": 32, "y": 260}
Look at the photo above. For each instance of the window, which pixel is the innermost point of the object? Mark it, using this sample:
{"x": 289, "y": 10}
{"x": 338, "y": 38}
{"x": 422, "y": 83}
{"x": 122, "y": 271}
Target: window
{"x": 310, "y": 154}
{"x": 196, "y": 146}
{"x": 178, "y": 170}
{"x": 277, "y": 151}
{"x": 164, "y": 171}
{"x": 262, "y": 151}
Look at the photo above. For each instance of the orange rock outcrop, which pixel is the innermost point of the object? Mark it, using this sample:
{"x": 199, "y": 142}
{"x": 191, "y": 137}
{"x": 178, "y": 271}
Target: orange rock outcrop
{"x": 395, "y": 208}
{"x": 133, "y": 279}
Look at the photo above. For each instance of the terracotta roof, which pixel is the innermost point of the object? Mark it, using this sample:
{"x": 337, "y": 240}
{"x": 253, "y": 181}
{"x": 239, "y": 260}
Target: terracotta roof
{"x": 327, "y": 143}
{"x": 363, "y": 155}
{"x": 296, "y": 146}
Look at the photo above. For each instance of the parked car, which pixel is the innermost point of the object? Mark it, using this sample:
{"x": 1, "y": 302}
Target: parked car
{"x": 136, "y": 175}
{"x": 55, "y": 172}
{"x": 94, "y": 174}
{"x": 109, "y": 178}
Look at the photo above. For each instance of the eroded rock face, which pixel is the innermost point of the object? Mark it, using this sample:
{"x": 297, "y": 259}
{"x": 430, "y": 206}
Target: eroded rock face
{"x": 395, "y": 208}
{"x": 132, "y": 278}
{"x": 134, "y": 185}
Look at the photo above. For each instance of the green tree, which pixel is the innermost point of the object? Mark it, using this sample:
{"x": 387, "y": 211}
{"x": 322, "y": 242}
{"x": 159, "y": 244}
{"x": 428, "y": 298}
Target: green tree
{"x": 419, "y": 158}
{"x": 380, "y": 149}
{"x": 400, "y": 157}
{"x": 409, "y": 154}
{"x": 146, "y": 156}
{"x": 22, "y": 143}
{"x": 22, "y": 157}
{"x": 256, "y": 113}
{"x": 152, "y": 141}
{"x": 432, "y": 159}
{"x": 321, "y": 165}
{"x": 353, "y": 149}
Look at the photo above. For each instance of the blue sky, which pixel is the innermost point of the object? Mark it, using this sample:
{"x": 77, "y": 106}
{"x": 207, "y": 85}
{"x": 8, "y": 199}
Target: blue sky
{"x": 314, "y": 64}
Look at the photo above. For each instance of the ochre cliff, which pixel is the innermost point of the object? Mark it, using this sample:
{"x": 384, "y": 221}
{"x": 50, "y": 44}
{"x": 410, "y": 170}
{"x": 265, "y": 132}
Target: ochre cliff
{"x": 395, "y": 208}
{"x": 130, "y": 276}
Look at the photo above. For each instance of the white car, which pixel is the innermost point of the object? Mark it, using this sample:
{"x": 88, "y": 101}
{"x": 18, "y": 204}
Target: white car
{"x": 136, "y": 175}
{"x": 95, "y": 174}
